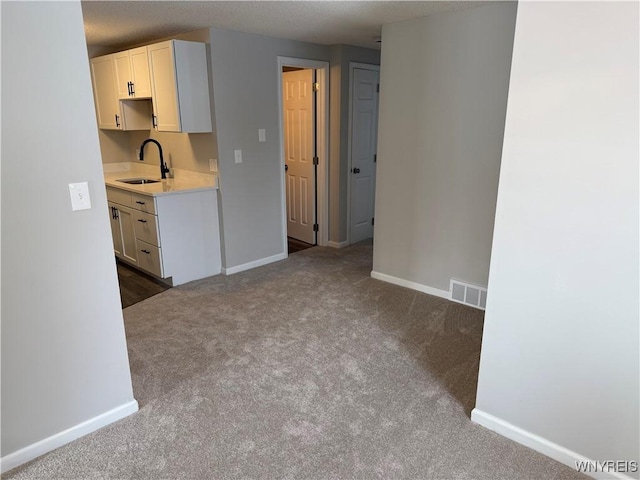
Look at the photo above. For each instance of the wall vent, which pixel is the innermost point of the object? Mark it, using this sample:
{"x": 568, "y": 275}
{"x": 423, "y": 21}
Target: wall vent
{"x": 468, "y": 294}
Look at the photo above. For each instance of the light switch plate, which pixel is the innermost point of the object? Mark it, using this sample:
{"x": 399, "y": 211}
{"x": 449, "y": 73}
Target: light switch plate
{"x": 213, "y": 164}
{"x": 262, "y": 135}
{"x": 238, "y": 155}
{"x": 79, "y": 193}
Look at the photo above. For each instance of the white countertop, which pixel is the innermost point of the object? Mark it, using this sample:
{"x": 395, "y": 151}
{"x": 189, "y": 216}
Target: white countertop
{"x": 183, "y": 181}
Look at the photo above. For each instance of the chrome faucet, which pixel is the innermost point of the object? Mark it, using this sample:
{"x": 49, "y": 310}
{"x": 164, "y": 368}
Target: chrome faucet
{"x": 163, "y": 166}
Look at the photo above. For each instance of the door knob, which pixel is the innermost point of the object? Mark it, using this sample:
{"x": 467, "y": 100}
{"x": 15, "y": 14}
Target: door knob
{"x": 286, "y": 167}
{"x": 356, "y": 170}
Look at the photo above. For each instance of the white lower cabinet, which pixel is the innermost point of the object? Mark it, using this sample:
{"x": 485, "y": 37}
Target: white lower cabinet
{"x": 123, "y": 232}
{"x": 172, "y": 237}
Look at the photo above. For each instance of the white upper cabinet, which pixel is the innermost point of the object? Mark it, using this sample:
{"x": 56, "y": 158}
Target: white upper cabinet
{"x": 132, "y": 74}
{"x": 173, "y": 74}
{"x": 112, "y": 113}
{"x": 180, "y": 86}
{"x": 104, "y": 92}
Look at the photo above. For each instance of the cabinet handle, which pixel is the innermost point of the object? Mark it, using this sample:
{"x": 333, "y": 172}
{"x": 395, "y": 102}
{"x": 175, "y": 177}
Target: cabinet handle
{"x": 145, "y": 251}
{"x": 133, "y": 90}
{"x": 129, "y": 88}
{"x": 117, "y": 120}
{"x": 142, "y": 221}
{"x": 115, "y": 213}
{"x": 139, "y": 202}
{"x": 154, "y": 121}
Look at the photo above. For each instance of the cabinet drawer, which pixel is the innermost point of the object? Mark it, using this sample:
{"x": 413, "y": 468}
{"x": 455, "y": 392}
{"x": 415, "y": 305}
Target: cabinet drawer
{"x": 121, "y": 197}
{"x": 143, "y": 202}
{"x": 146, "y": 227}
{"x": 149, "y": 258}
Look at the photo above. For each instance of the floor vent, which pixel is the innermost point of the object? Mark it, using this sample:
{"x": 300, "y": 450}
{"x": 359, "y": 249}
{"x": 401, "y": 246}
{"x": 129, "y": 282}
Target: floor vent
{"x": 468, "y": 294}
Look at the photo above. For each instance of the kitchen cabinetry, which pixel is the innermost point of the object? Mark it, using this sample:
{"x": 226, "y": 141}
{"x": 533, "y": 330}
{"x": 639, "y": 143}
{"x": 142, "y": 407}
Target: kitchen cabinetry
{"x": 173, "y": 74}
{"x": 112, "y": 113}
{"x": 180, "y": 86}
{"x": 132, "y": 73}
{"x": 172, "y": 237}
{"x": 123, "y": 232}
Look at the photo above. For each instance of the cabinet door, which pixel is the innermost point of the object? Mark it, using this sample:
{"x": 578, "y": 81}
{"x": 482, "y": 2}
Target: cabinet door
{"x": 116, "y": 233}
{"x": 164, "y": 87}
{"x": 140, "y": 72}
{"x": 122, "y": 69}
{"x": 104, "y": 91}
{"x": 127, "y": 227}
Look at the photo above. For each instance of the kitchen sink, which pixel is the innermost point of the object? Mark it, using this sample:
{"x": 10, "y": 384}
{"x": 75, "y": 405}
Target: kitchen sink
{"x": 138, "y": 181}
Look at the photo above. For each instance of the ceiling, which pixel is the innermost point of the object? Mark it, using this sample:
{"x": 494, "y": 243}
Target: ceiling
{"x": 114, "y": 24}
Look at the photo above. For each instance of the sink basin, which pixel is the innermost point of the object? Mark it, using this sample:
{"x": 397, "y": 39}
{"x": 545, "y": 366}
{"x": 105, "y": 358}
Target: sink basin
{"x": 138, "y": 181}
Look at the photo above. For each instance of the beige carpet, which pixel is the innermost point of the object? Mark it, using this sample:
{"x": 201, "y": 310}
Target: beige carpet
{"x": 307, "y": 368}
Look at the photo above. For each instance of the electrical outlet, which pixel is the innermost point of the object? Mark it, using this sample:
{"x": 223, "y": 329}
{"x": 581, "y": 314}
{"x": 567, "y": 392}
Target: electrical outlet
{"x": 213, "y": 164}
{"x": 238, "y": 156}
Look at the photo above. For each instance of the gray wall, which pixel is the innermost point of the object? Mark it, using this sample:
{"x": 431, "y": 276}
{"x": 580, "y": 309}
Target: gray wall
{"x": 444, "y": 82}
{"x": 245, "y": 73}
{"x": 341, "y": 56}
{"x": 560, "y": 346}
{"x": 64, "y": 357}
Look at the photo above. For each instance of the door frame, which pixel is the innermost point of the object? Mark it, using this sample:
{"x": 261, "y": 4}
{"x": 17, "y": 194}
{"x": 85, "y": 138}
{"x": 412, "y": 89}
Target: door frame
{"x": 352, "y": 67}
{"x": 322, "y": 127}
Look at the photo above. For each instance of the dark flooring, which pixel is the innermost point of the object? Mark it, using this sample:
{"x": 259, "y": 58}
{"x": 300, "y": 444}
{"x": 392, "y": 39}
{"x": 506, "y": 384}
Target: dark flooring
{"x": 297, "y": 245}
{"x": 136, "y": 286}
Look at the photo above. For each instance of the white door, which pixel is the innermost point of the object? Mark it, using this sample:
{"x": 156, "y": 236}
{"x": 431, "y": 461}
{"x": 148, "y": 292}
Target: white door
{"x": 364, "y": 117}
{"x": 299, "y": 126}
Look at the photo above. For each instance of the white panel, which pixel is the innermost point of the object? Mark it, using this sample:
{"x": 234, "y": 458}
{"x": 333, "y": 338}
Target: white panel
{"x": 304, "y": 207}
{"x": 362, "y": 205}
{"x": 291, "y": 207}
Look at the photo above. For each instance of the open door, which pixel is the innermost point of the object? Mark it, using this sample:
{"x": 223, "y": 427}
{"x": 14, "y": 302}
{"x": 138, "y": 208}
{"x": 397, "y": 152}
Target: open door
{"x": 299, "y": 119}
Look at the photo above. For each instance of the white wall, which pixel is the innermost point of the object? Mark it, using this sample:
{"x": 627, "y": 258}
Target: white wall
{"x": 245, "y": 74}
{"x": 64, "y": 357}
{"x": 443, "y": 91}
{"x": 560, "y": 345}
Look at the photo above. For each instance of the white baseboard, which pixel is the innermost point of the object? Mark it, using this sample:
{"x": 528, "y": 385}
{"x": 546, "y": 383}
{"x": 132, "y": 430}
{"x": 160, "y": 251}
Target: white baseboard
{"x": 34, "y": 450}
{"x": 254, "y": 264}
{"x": 409, "y": 284}
{"x": 333, "y": 244}
{"x": 539, "y": 444}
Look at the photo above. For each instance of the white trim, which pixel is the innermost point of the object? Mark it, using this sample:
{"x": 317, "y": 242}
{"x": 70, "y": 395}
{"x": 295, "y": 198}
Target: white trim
{"x": 352, "y": 67}
{"x": 34, "y": 450}
{"x": 333, "y": 244}
{"x": 322, "y": 238}
{"x": 409, "y": 284}
{"x": 539, "y": 444}
{"x": 256, "y": 263}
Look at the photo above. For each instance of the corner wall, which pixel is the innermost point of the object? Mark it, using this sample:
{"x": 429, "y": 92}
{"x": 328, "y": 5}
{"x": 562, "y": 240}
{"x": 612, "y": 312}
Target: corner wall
{"x": 245, "y": 75}
{"x": 559, "y": 369}
{"x": 65, "y": 370}
{"x": 443, "y": 92}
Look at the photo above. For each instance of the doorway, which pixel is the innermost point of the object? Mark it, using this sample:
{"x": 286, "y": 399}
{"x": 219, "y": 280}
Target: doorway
{"x": 364, "y": 88}
{"x": 303, "y": 105}
{"x": 300, "y": 153}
